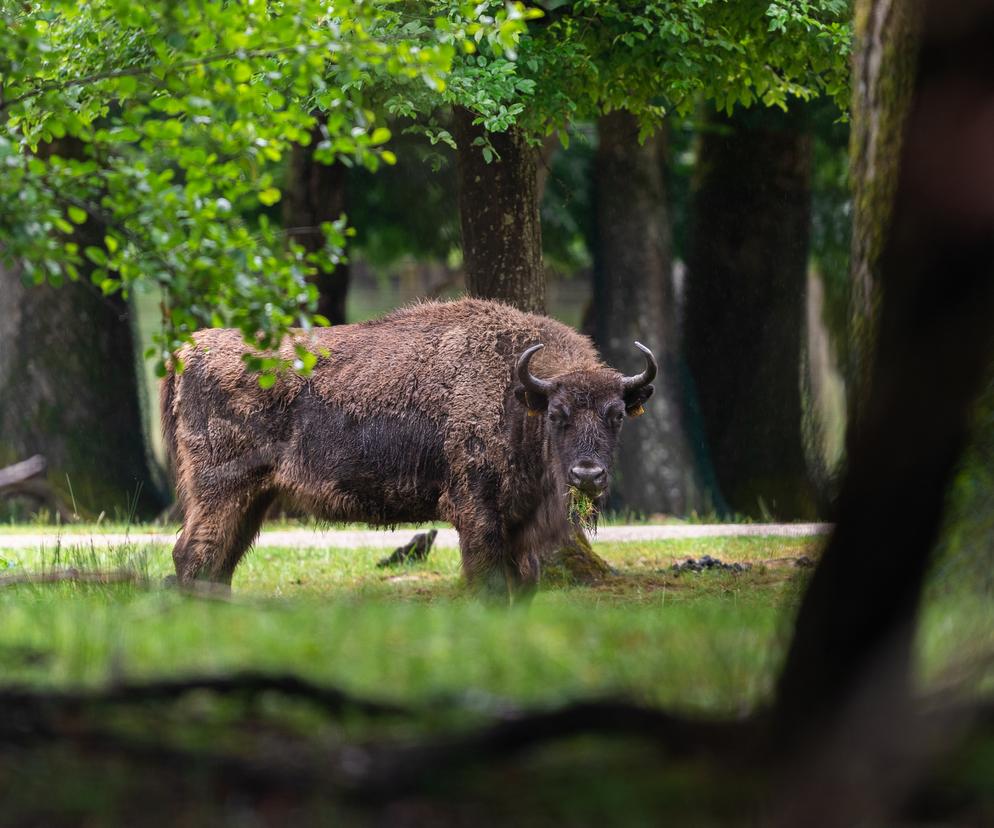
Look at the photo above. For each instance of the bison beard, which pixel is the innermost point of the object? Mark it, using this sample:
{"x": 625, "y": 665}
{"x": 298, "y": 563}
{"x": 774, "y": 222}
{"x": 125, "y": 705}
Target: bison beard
{"x": 445, "y": 411}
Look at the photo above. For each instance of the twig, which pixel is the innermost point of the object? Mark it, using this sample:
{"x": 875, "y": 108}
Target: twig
{"x": 70, "y": 575}
{"x": 247, "y": 684}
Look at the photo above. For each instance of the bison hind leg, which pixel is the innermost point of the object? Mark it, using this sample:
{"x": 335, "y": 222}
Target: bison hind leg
{"x": 215, "y": 538}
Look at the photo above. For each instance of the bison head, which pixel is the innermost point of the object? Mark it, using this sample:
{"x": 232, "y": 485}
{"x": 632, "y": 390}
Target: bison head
{"x": 584, "y": 412}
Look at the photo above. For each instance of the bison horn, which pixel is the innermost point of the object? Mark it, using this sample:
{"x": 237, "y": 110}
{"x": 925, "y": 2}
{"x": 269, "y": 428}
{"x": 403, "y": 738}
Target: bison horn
{"x": 647, "y": 376}
{"x": 529, "y": 380}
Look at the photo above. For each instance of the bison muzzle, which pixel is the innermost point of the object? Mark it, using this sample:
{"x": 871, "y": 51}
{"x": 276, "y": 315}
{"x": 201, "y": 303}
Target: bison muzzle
{"x": 467, "y": 411}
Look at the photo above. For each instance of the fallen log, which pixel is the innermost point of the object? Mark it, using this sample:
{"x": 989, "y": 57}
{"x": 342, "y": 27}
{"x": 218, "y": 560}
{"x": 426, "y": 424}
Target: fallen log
{"x": 18, "y": 472}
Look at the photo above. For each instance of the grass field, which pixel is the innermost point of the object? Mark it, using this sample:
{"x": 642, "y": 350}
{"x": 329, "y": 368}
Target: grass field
{"x": 700, "y": 640}
{"x": 708, "y": 642}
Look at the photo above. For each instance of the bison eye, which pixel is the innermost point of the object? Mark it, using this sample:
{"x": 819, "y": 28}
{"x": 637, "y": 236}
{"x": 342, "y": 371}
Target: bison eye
{"x": 559, "y": 416}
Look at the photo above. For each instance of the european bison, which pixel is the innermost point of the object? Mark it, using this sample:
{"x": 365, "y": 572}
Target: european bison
{"x": 467, "y": 411}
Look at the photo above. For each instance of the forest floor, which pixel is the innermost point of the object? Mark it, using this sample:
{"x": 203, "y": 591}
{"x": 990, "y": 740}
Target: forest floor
{"x": 702, "y": 642}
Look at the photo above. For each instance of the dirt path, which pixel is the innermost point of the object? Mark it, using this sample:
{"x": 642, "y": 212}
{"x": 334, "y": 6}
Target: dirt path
{"x": 389, "y": 538}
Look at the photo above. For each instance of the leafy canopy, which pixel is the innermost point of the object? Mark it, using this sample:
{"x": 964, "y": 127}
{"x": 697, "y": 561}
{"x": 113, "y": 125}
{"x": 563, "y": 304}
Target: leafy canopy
{"x": 580, "y": 58}
{"x": 160, "y": 124}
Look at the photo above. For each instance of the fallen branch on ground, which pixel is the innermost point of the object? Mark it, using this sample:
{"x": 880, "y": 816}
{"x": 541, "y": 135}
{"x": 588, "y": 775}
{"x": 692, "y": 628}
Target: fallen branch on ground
{"x": 21, "y": 471}
{"x": 24, "y": 480}
{"x": 248, "y": 685}
{"x": 71, "y": 575}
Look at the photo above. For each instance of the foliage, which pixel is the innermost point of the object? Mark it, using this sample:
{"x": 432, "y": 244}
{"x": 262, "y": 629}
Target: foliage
{"x": 159, "y": 123}
{"x": 589, "y": 56}
{"x": 160, "y": 127}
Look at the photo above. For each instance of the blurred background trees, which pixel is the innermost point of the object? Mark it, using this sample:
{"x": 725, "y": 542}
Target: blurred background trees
{"x": 658, "y": 173}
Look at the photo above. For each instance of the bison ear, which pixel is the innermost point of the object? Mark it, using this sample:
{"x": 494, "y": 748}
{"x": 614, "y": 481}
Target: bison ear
{"x": 635, "y": 399}
{"x": 531, "y": 400}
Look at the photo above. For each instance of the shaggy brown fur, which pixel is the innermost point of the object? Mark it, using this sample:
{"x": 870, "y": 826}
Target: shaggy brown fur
{"x": 413, "y": 417}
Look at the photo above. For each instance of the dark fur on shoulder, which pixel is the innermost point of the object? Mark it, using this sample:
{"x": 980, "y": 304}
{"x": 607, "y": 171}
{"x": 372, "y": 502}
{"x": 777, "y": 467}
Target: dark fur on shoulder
{"x": 413, "y": 417}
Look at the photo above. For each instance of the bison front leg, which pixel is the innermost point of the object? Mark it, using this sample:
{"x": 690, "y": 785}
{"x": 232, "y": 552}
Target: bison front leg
{"x": 214, "y": 540}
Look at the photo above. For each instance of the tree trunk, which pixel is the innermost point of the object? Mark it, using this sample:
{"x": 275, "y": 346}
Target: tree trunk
{"x": 745, "y": 308}
{"x": 70, "y": 392}
{"x": 315, "y": 193}
{"x": 883, "y": 77}
{"x": 634, "y": 300}
{"x": 502, "y": 255}
{"x": 498, "y": 209}
{"x": 850, "y": 660}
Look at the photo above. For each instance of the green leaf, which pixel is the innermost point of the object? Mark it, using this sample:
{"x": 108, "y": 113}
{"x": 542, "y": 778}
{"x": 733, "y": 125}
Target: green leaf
{"x": 96, "y": 255}
{"x": 76, "y": 215}
{"x": 269, "y": 196}
{"x": 267, "y": 380}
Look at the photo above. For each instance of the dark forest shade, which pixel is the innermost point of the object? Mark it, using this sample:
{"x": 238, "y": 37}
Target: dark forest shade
{"x": 499, "y": 213}
{"x": 634, "y": 299}
{"x": 313, "y": 194}
{"x": 70, "y": 393}
{"x": 70, "y": 390}
{"x": 745, "y": 301}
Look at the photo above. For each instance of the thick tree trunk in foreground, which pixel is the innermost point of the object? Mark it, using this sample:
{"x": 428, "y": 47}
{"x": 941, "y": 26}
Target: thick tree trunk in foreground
{"x": 313, "y": 194}
{"x": 70, "y": 393}
{"x": 849, "y": 666}
{"x": 634, "y": 300}
{"x": 498, "y": 208}
{"x": 883, "y": 77}
{"x": 745, "y": 309}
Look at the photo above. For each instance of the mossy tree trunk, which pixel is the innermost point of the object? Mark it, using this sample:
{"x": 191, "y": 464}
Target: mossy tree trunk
{"x": 883, "y": 77}
{"x": 745, "y": 308}
{"x": 502, "y": 257}
{"x": 634, "y": 299}
{"x": 70, "y": 389}
{"x": 313, "y": 194}
{"x": 499, "y": 214}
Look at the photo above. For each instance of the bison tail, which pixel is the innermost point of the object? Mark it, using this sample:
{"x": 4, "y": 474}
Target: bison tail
{"x": 167, "y": 410}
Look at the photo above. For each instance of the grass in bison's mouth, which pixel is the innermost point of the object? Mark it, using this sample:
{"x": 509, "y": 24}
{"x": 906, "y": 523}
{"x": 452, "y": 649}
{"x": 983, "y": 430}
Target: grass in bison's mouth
{"x": 582, "y": 509}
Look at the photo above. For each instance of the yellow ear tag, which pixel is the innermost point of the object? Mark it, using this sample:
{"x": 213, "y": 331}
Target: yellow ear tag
{"x": 638, "y": 412}
{"x": 533, "y": 413}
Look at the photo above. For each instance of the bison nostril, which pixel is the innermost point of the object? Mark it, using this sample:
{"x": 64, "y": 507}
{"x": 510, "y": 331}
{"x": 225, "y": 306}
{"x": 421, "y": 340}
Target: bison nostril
{"x": 588, "y": 474}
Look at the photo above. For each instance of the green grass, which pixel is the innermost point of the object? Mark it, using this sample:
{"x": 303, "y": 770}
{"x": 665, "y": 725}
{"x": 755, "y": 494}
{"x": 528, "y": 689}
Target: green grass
{"x": 711, "y": 640}
{"x": 706, "y": 642}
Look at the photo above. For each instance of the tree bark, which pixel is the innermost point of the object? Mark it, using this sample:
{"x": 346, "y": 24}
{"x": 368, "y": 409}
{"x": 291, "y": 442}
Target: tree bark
{"x": 502, "y": 256}
{"x": 854, "y": 631}
{"x": 498, "y": 209}
{"x": 883, "y": 77}
{"x": 634, "y": 299}
{"x": 745, "y": 308}
{"x": 313, "y": 194}
{"x": 70, "y": 392}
